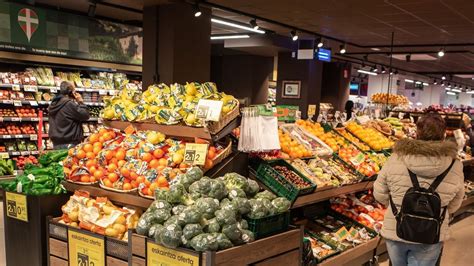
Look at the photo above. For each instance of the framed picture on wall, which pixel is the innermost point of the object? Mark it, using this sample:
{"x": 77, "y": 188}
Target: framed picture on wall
{"x": 291, "y": 89}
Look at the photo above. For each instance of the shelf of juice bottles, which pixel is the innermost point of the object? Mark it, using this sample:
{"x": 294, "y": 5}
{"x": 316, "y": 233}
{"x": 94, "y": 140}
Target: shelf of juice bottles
{"x": 35, "y": 119}
{"x": 19, "y": 103}
{"x": 55, "y": 89}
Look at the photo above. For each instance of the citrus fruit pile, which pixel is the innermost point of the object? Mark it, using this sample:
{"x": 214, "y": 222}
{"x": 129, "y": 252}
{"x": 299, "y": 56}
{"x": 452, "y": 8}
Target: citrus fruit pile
{"x": 333, "y": 140}
{"x": 376, "y": 140}
{"x": 292, "y": 147}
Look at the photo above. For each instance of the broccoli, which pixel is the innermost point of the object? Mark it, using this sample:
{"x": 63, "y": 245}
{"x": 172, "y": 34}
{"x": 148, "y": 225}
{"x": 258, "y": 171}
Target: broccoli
{"x": 204, "y": 242}
{"x": 184, "y": 180}
{"x": 258, "y": 209}
{"x": 202, "y": 186}
{"x": 159, "y": 204}
{"x": 213, "y": 226}
{"x": 218, "y": 190}
{"x": 161, "y": 215}
{"x": 222, "y": 241}
{"x": 225, "y": 217}
{"x": 226, "y": 204}
{"x": 243, "y": 224}
{"x": 232, "y": 232}
{"x": 190, "y": 215}
{"x": 242, "y": 205}
{"x": 252, "y": 189}
{"x": 234, "y": 180}
{"x": 192, "y": 230}
{"x": 145, "y": 222}
{"x": 189, "y": 199}
{"x": 174, "y": 220}
{"x": 195, "y": 173}
{"x": 281, "y": 204}
{"x": 236, "y": 193}
{"x": 247, "y": 236}
{"x": 176, "y": 194}
{"x": 207, "y": 207}
{"x": 170, "y": 236}
{"x": 265, "y": 195}
{"x": 161, "y": 194}
{"x": 178, "y": 209}
{"x": 154, "y": 229}
{"x": 185, "y": 242}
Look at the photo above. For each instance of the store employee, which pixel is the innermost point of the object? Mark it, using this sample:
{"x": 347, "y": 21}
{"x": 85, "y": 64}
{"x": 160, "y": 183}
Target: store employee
{"x": 67, "y": 112}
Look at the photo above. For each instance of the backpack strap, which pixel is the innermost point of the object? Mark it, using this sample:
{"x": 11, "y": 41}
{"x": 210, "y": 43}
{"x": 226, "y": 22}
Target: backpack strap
{"x": 393, "y": 207}
{"x": 440, "y": 178}
{"x": 414, "y": 179}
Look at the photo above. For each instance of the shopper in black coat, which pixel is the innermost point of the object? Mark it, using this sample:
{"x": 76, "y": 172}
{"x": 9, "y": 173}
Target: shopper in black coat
{"x": 67, "y": 112}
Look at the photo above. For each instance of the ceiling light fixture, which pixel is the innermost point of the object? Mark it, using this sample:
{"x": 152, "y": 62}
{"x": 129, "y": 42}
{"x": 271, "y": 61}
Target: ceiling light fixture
{"x": 294, "y": 36}
{"x": 425, "y": 84}
{"x": 253, "y": 23}
{"x": 197, "y": 10}
{"x": 449, "y": 85}
{"x": 450, "y": 93}
{"x": 319, "y": 42}
{"x": 409, "y": 80}
{"x": 376, "y": 69}
{"x": 342, "y": 48}
{"x": 442, "y": 83}
{"x": 383, "y": 70}
{"x": 367, "y": 72}
{"x": 373, "y": 69}
{"x": 443, "y": 77}
{"x": 235, "y": 25}
{"x": 408, "y": 57}
{"x": 435, "y": 82}
{"x": 456, "y": 90}
{"x": 448, "y": 89}
{"x": 441, "y": 52}
{"x": 226, "y": 37}
{"x": 418, "y": 82}
{"x": 470, "y": 92}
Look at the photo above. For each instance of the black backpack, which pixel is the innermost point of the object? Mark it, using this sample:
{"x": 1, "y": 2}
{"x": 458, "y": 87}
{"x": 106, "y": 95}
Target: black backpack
{"x": 420, "y": 216}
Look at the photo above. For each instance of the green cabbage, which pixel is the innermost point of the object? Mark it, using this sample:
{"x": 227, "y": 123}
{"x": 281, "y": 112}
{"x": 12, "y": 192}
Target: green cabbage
{"x": 281, "y": 204}
{"x": 218, "y": 190}
{"x": 207, "y": 207}
{"x": 242, "y": 205}
{"x": 190, "y": 215}
{"x": 265, "y": 195}
{"x": 252, "y": 189}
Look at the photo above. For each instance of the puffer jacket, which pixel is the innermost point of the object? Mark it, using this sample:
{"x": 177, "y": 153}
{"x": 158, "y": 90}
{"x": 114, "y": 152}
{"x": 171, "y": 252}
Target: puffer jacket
{"x": 427, "y": 159}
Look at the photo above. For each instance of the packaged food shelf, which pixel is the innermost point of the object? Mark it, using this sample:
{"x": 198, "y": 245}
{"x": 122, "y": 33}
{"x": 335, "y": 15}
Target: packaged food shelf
{"x": 116, "y": 251}
{"x": 361, "y": 253}
{"x": 281, "y": 249}
{"x": 308, "y": 140}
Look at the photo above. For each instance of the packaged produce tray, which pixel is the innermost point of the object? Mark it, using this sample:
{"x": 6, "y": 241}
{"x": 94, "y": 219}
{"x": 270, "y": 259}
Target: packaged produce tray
{"x": 352, "y": 139}
{"x": 270, "y": 225}
{"x": 308, "y": 256}
{"x": 278, "y": 183}
{"x": 309, "y": 141}
{"x": 346, "y": 220}
{"x": 352, "y": 169}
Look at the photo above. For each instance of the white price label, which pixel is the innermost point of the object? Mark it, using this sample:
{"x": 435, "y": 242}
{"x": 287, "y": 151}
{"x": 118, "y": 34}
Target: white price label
{"x": 89, "y": 90}
{"x": 30, "y": 88}
{"x": 102, "y": 92}
{"x": 14, "y": 153}
{"x": 19, "y": 136}
{"x": 34, "y": 119}
{"x": 4, "y": 155}
{"x": 16, "y": 87}
{"x": 33, "y": 137}
{"x": 53, "y": 89}
{"x": 6, "y": 137}
{"x": 401, "y": 115}
{"x": 16, "y": 103}
{"x": 112, "y": 92}
{"x": 33, "y": 103}
{"x": 209, "y": 110}
{"x": 7, "y": 101}
{"x": 25, "y": 153}
{"x": 16, "y": 119}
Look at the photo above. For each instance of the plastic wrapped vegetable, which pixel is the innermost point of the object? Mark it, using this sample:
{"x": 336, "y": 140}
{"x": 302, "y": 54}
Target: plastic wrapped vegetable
{"x": 202, "y": 186}
{"x": 226, "y": 204}
{"x": 258, "y": 209}
{"x": 207, "y": 207}
{"x": 222, "y": 241}
{"x": 175, "y": 219}
{"x": 213, "y": 226}
{"x": 236, "y": 193}
{"x": 170, "y": 236}
{"x": 265, "y": 195}
{"x": 145, "y": 222}
{"x": 190, "y": 198}
{"x": 242, "y": 205}
{"x": 190, "y": 215}
{"x": 195, "y": 173}
{"x": 185, "y": 180}
{"x": 176, "y": 194}
{"x": 225, "y": 217}
{"x": 281, "y": 204}
{"x": 243, "y": 224}
{"x": 192, "y": 230}
{"x": 252, "y": 189}
{"x": 161, "y": 215}
{"x": 204, "y": 242}
{"x": 232, "y": 232}
{"x": 159, "y": 204}
{"x": 247, "y": 236}
{"x": 218, "y": 190}
{"x": 234, "y": 180}
{"x": 178, "y": 209}
{"x": 154, "y": 229}
{"x": 161, "y": 194}
{"x": 269, "y": 206}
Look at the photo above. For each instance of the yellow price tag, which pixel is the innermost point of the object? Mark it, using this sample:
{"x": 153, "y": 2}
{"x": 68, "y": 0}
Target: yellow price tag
{"x": 4, "y": 155}
{"x": 85, "y": 249}
{"x": 195, "y": 153}
{"x": 353, "y": 232}
{"x": 159, "y": 255}
{"x": 342, "y": 233}
{"x": 311, "y": 110}
{"x": 16, "y": 206}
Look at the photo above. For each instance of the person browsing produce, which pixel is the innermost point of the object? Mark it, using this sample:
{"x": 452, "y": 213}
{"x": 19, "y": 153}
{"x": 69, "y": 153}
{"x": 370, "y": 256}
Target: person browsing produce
{"x": 422, "y": 183}
{"x": 67, "y": 112}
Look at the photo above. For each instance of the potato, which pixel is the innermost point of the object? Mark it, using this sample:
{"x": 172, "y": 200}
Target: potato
{"x": 107, "y": 209}
{"x": 90, "y": 202}
{"x": 120, "y": 228}
{"x": 121, "y": 220}
{"x": 111, "y": 232}
{"x": 74, "y": 216}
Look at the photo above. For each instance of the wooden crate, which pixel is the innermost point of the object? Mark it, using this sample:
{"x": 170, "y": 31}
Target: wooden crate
{"x": 117, "y": 251}
{"x": 280, "y": 249}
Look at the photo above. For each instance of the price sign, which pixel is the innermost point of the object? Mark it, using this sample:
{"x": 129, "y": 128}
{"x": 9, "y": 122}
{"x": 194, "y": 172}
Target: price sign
{"x": 401, "y": 115}
{"x": 24, "y": 153}
{"x": 4, "y": 155}
{"x": 209, "y": 110}
{"x": 53, "y": 89}
{"x": 311, "y": 110}
{"x": 16, "y": 206}
{"x": 33, "y": 119}
{"x": 16, "y": 119}
{"x": 102, "y": 92}
{"x": 30, "y": 88}
{"x": 18, "y": 136}
{"x": 15, "y": 153}
{"x": 195, "y": 153}
{"x": 89, "y": 90}
{"x": 16, "y": 87}
{"x": 159, "y": 255}
{"x": 33, "y": 137}
{"x": 85, "y": 249}
{"x": 17, "y": 103}
{"x": 342, "y": 233}
{"x": 33, "y": 103}
{"x": 7, "y": 101}
{"x": 6, "y": 137}
{"x": 353, "y": 232}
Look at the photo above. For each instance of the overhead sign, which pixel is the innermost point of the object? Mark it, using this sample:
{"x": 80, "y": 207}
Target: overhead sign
{"x": 324, "y": 55}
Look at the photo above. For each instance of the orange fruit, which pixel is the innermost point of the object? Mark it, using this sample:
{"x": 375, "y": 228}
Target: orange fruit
{"x": 97, "y": 144}
{"x": 92, "y": 169}
{"x": 90, "y": 155}
{"x": 160, "y": 168}
{"x": 70, "y": 152}
{"x": 211, "y": 153}
{"x": 153, "y": 187}
{"x": 134, "y": 183}
{"x": 85, "y": 178}
{"x": 112, "y": 133}
{"x": 126, "y": 180}
{"x": 107, "y": 183}
{"x": 109, "y": 155}
{"x": 98, "y": 174}
{"x": 127, "y": 186}
{"x": 133, "y": 175}
{"x": 113, "y": 177}
{"x": 163, "y": 162}
{"x": 114, "y": 161}
{"x": 101, "y": 139}
{"x": 121, "y": 163}
{"x": 154, "y": 163}
{"x": 162, "y": 181}
{"x": 140, "y": 179}
{"x": 102, "y": 131}
{"x": 125, "y": 172}
{"x": 145, "y": 191}
{"x": 93, "y": 138}
{"x": 90, "y": 163}
{"x": 111, "y": 167}
{"x": 92, "y": 179}
{"x": 88, "y": 147}
{"x": 81, "y": 154}
{"x": 120, "y": 154}
{"x": 147, "y": 183}
{"x": 147, "y": 157}
{"x": 158, "y": 153}
{"x": 208, "y": 164}
{"x": 107, "y": 136}
{"x": 96, "y": 150}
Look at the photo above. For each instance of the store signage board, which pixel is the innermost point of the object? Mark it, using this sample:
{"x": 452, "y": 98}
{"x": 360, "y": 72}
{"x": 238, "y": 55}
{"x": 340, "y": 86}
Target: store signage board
{"x": 311, "y": 110}
{"x": 195, "y": 153}
{"x": 85, "y": 248}
{"x": 160, "y": 255}
{"x": 209, "y": 110}
{"x": 324, "y": 55}
{"x": 17, "y": 207}
{"x": 4, "y": 155}
{"x": 15, "y": 87}
{"x": 286, "y": 113}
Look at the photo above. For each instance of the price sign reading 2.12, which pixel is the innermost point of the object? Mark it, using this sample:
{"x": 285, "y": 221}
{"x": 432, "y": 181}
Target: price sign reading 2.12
{"x": 195, "y": 153}
{"x": 85, "y": 249}
{"x": 16, "y": 206}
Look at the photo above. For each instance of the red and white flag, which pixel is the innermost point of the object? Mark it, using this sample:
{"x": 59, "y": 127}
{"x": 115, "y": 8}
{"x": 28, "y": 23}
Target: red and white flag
{"x": 28, "y": 20}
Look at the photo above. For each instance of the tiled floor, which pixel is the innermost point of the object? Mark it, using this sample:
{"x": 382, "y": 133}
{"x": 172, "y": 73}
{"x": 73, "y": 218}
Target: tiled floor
{"x": 457, "y": 251}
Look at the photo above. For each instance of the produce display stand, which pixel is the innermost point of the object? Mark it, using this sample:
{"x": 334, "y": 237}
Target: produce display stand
{"x": 30, "y": 235}
{"x": 280, "y": 249}
{"x": 357, "y": 255}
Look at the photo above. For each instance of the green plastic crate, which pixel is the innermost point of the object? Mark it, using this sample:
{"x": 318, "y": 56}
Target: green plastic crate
{"x": 269, "y": 225}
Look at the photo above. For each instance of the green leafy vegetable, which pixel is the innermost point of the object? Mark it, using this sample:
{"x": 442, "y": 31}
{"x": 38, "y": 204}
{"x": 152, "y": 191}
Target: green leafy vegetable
{"x": 236, "y": 193}
{"x": 222, "y": 241}
{"x": 265, "y": 195}
{"x": 242, "y": 205}
{"x": 190, "y": 215}
{"x": 252, "y": 189}
{"x": 281, "y": 204}
{"x": 232, "y": 232}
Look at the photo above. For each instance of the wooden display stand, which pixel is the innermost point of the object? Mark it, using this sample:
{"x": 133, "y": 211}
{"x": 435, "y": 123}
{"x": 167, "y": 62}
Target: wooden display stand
{"x": 281, "y": 249}
{"x": 29, "y": 236}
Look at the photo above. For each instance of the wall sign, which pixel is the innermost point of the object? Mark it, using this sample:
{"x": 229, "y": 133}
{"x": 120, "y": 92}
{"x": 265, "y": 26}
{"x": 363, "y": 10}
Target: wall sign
{"x": 85, "y": 249}
{"x": 17, "y": 207}
{"x": 291, "y": 89}
{"x": 324, "y": 55}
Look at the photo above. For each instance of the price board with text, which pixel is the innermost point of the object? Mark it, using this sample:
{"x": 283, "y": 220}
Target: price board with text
{"x": 17, "y": 207}
{"x": 163, "y": 256}
{"x": 85, "y": 249}
{"x": 195, "y": 153}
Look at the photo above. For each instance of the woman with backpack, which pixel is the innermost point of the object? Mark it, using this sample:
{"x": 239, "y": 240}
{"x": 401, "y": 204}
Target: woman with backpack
{"x": 422, "y": 183}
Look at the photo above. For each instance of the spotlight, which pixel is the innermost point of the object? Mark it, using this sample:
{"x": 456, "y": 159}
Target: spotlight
{"x": 253, "y": 23}
{"x": 455, "y": 86}
{"x": 342, "y": 48}
{"x": 391, "y": 72}
{"x": 408, "y": 57}
{"x": 441, "y": 52}
{"x": 197, "y": 10}
{"x": 435, "y": 82}
{"x": 383, "y": 70}
{"x": 443, "y": 77}
{"x": 449, "y": 85}
{"x": 373, "y": 69}
{"x": 442, "y": 83}
{"x": 319, "y": 42}
{"x": 294, "y": 36}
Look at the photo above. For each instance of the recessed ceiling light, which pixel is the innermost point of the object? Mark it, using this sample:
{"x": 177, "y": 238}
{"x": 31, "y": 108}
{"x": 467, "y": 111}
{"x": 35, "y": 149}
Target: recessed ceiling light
{"x": 294, "y": 36}
{"x": 441, "y": 52}
{"x": 342, "y": 48}
{"x": 235, "y": 25}
{"x": 375, "y": 49}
